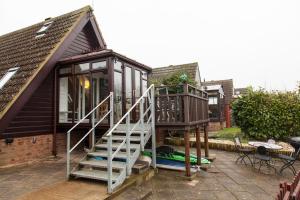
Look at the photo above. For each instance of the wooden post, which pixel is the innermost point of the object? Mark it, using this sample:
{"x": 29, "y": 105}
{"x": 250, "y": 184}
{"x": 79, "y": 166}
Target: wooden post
{"x": 198, "y": 146}
{"x": 206, "y": 141}
{"x": 187, "y": 153}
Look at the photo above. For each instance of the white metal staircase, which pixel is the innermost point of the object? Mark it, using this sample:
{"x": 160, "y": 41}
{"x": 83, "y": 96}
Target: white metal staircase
{"x": 112, "y": 157}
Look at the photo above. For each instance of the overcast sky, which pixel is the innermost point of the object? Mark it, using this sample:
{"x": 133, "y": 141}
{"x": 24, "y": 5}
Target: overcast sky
{"x": 254, "y": 42}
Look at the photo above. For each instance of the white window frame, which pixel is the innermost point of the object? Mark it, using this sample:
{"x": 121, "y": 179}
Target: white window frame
{"x": 8, "y": 76}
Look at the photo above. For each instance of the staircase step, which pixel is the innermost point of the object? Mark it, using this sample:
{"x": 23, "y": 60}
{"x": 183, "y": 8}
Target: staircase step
{"x": 120, "y": 155}
{"x": 116, "y": 145}
{"x": 133, "y": 132}
{"x": 121, "y": 137}
{"x": 103, "y": 164}
{"x": 95, "y": 174}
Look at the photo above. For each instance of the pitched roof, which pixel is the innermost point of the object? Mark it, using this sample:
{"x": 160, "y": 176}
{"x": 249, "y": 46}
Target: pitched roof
{"x": 163, "y": 72}
{"x": 227, "y": 87}
{"x": 31, "y": 53}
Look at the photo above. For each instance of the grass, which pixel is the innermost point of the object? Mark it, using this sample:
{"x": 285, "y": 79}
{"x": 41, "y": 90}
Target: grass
{"x": 230, "y": 134}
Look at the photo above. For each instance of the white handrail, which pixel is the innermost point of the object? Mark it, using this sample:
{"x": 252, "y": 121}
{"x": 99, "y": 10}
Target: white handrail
{"x": 111, "y": 154}
{"x": 132, "y": 107}
{"x": 69, "y": 149}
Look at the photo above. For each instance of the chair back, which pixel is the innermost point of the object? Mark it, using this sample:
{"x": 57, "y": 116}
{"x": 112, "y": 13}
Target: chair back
{"x": 271, "y": 141}
{"x": 296, "y": 153}
{"x": 237, "y": 142}
{"x": 261, "y": 150}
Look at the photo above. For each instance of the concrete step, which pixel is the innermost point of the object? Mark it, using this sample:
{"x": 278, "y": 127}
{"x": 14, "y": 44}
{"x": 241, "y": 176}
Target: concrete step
{"x": 121, "y": 138}
{"x": 95, "y": 174}
{"x": 103, "y": 154}
{"x": 103, "y": 164}
{"x": 116, "y": 145}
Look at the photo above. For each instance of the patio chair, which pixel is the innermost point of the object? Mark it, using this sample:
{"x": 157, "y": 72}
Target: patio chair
{"x": 243, "y": 152}
{"x": 263, "y": 157}
{"x": 288, "y": 161}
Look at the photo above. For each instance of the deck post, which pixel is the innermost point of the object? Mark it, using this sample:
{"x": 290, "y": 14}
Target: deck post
{"x": 198, "y": 145}
{"x": 187, "y": 153}
{"x": 206, "y": 141}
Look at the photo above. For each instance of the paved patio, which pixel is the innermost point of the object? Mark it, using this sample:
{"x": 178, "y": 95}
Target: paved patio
{"x": 225, "y": 180}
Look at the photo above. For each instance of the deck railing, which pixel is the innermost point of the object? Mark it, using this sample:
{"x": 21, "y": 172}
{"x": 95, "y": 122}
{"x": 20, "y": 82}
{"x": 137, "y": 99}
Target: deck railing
{"x": 182, "y": 105}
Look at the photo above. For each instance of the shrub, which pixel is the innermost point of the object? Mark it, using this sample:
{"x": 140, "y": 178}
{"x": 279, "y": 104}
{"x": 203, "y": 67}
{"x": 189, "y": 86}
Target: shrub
{"x": 264, "y": 115}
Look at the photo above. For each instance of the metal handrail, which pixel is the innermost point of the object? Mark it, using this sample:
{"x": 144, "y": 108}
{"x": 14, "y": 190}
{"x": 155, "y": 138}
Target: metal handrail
{"x": 127, "y": 113}
{"x": 129, "y": 131}
{"x": 109, "y": 112}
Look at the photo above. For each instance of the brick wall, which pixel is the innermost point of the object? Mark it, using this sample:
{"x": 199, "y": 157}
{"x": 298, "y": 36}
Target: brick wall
{"x": 25, "y": 149}
{"x": 61, "y": 141}
{"x": 215, "y": 126}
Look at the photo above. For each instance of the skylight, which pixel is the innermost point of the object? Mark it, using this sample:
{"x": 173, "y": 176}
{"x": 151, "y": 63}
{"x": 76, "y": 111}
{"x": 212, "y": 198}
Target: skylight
{"x": 8, "y": 76}
{"x": 43, "y": 30}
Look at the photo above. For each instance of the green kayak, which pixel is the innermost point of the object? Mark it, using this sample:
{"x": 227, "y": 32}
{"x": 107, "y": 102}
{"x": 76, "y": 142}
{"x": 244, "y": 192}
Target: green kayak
{"x": 178, "y": 156}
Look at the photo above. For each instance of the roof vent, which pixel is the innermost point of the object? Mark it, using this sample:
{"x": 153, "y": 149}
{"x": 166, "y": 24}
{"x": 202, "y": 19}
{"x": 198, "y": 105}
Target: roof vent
{"x": 42, "y": 31}
{"x": 48, "y": 18}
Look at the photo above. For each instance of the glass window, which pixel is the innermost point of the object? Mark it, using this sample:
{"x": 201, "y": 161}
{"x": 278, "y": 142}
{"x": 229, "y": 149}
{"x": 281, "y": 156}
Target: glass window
{"x": 128, "y": 91}
{"x": 99, "y": 65}
{"x": 118, "y": 65}
{"x": 117, "y": 96}
{"x": 65, "y": 100}
{"x": 65, "y": 70}
{"x": 82, "y": 97}
{"x": 145, "y": 86}
{"x": 144, "y": 75}
{"x": 44, "y": 27}
{"x": 212, "y": 100}
{"x": 8, "y": 76}
{"x": 82, "y": 67}
{"x": 100, "y": 92}
{"x": 137, "y": 83}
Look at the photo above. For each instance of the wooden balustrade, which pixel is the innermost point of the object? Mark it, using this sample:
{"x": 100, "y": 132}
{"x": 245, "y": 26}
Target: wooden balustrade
{"x": 290, "y": 191}
{"x": 180, "y": 106}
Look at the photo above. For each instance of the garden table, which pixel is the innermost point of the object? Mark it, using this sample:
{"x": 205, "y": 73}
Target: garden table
{"x": 265, "y": 144}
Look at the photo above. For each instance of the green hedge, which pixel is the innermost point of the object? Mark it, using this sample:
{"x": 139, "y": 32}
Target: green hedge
{"x": 264, "y": 115}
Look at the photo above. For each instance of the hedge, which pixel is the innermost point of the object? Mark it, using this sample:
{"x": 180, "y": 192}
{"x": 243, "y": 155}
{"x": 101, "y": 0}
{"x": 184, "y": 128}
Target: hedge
{"x": 265, "y": 115}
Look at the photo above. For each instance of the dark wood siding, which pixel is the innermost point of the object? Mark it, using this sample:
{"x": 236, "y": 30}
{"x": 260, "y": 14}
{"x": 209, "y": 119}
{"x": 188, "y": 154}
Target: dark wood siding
{"x": 85, "y": 41}
{"x": 36, "y": 117}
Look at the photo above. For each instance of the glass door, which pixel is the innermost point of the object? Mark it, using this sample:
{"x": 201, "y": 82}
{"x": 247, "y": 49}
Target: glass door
{"x": 100, "y": 92}
{"x": 136, "y": 93}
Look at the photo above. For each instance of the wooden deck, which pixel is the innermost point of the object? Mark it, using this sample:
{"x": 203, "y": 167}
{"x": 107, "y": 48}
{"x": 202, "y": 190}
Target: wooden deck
{"x": 182, "y": 107}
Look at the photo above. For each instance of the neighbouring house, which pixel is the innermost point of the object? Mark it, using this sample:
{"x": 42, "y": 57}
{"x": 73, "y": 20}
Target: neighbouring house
{"x": 190, "y": 69}
{"x": 61, "y": 88}
{"x": 239, "y": 92}
{"x": 216, "y": 104}
{"x": 227, "y": 86}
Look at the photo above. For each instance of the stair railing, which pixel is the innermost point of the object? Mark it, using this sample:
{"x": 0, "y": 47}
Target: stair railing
{"x": 110, "y": 112}
{"x": 149, "y": 94}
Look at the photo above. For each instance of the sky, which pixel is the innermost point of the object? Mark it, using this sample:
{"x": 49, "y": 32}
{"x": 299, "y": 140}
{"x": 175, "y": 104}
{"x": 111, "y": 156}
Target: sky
{"x": 253, "y": 42}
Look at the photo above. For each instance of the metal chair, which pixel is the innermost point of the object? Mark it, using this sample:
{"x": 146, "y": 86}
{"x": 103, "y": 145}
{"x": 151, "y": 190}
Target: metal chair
{"x": 263, "y": 157}
{"x": 243, "y": 152}
{"x": 288, "y": 161}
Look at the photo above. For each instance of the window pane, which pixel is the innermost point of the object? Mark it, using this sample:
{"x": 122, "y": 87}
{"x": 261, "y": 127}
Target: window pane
{"x": 99, "y": 65}
{"x": 212, "y": 100}
{"x": 65, "y": 99}
{"x": 82, "y": 67}
{"x": 65, "y": 70}
{"x": 144, "y": 86}
{"x": 118, "y": 65}
{"x": 8, "y": 76}
{"x": 144, "y": 74}
{"x": 128, "y": 91}
{"x": 82, "y": 94}
{"x": 100, "y": 92}
{"x": 117, "y": 96}
{"x": 137, "y": 83}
